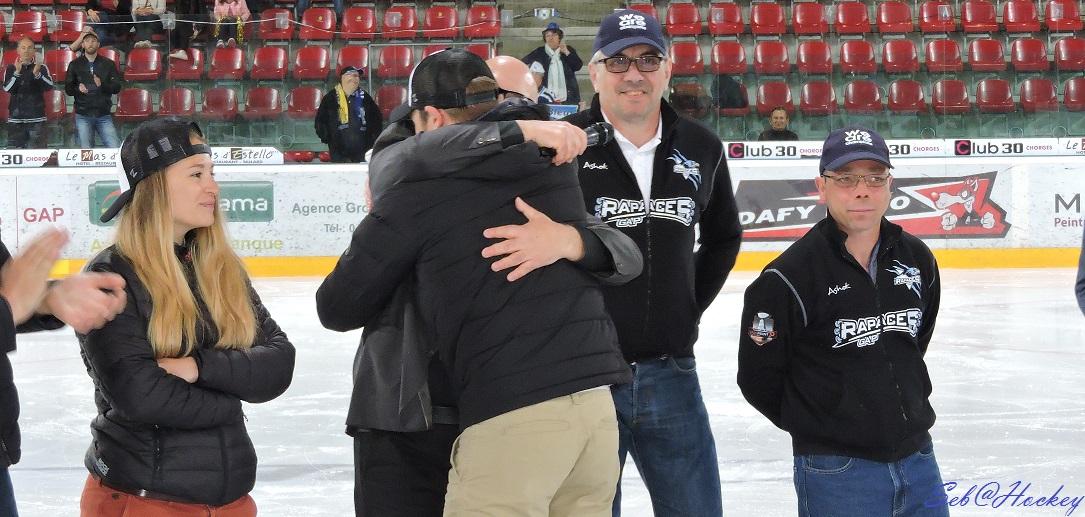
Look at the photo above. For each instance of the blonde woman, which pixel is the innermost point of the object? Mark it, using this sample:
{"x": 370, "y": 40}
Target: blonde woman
{"x": 194, "y": 341}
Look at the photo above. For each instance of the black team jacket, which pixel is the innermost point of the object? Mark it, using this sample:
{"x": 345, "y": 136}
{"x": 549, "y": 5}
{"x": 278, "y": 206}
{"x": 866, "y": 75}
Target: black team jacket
{"x": 835, "y": 358}
{"x": 657, "y": 313}
{"x": 98, "y": 101}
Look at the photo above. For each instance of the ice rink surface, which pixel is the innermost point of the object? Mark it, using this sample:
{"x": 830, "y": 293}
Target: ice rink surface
{"x": 1006, "y": 363}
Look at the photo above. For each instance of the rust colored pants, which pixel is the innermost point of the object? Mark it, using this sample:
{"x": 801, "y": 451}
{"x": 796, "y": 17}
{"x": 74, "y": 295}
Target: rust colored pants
{"x": 101, "y": 501}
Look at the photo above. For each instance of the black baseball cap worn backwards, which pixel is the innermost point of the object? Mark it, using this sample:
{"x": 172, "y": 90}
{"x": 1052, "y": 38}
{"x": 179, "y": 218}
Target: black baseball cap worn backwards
{"x": 440, "y": 80}
{"x": 849, "y": 144}
{"x": 149, "y": 149}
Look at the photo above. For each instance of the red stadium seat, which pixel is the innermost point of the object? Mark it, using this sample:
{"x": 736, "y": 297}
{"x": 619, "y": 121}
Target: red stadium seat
{"x": 352, "y": 55}
{"x": 177, "y": 102}
{"x": 1038, "y": 94}
{"x": 1062, "y": 15}
{"x": 268, "y": 63}
{"x": 227, "y": 63}
{"x": 944, "y": 55}
{"x": 936, "y": 16}
{"x": 767, "y": 19}
{"x": 485, "y": 51}
{"x": 484, "y": 21}
{"x": 389, "y": 97}
{"x": 994, "y": 96}
{"x": 303, "y": 102}
{"x": 728, "y": 57}
{"x": 814, "y": 57}
{"x": 312, "y": 63}
{"x": 906, "y": 96}
{"x": 817, "y": 98}
{"x": 219, "y": 104}
{"x": 770, "y": 57}
{"x": 395, "y": 61}
{"x": 144, "y": 64}
{"x": 725, "y": 19}
{"x": 683, "y": 19}
{"x": 133, "y": 105}
{"x": 299, "y": 156}
{"x": 894, "y": 17}
{"x": 900, "y": 57}
{"x": 978, "y": 16}
{"x": 190, "y": 69}
{"x": 400, "y": 22}
{"x": 276, "y": 25}
{"x": 690, "y": 99}
{"x": 686, "y": 58}
{"x": 950, "y": 97}
{"x": 57, "y": 60}
{"x": 69, "y": 24}
{"x": 1020, "y": 16}
{"x": 317, "y": 23}
{"x": 359, "y": 22}
{"x": 862, "y": 97}
{"x": 731, "y": 111}
{"x": 27, "y": 23}
{"x": 852, "y": 18}
{"x": 262, "y": 103}
{"x": 857, "y": 57}
{"x": 646, "y": 8}
{"x": 36, "y": 2}
{"x": 1073, "y": 94}
{"x": 430, "y": 50}
{"x": 114, "y": 55}
{"x": 771, "y": 94}
{"x": 1028, "y": 55}
{"x": 1070, "y": 55}
{"x": 56, "y": 105}
{"x": 986, "y": 55}
{"x": 442, "y": 21}
{"x": 809, "y": 18}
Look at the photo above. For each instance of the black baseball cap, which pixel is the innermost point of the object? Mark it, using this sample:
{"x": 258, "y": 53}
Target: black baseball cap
{"x": 441, "y": 80}
{"x": 150, "y": 148}
{"x": 848, "y": 144}
{"x": 626, "y": 27}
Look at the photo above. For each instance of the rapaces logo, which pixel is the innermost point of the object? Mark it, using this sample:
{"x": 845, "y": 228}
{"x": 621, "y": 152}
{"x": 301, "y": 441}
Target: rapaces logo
{"x": 864, "y": 332}
{"x": 625, "y": 213}
{"x": 240, "y": 201}
{"x": 688, "y": 169}
{"x": 954, "y": 207}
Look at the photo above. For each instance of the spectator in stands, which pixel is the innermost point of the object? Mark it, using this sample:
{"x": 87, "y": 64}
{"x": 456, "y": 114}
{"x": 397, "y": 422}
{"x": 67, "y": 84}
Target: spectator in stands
{"x": 302, "y": 5}
{"x": 778, "y": 130}
{"x": 147, "y": 15}
{"x": 191, "y": 25}
{"x": 729, "y": 93}
{"x": 93, "y": 80}
{"x": 555, "y": 65}
{"x": 110, "y": 21}
{"x": 26, "y": 80}
{"x": 348, "y": 119}
{"x": 230, "y": 18}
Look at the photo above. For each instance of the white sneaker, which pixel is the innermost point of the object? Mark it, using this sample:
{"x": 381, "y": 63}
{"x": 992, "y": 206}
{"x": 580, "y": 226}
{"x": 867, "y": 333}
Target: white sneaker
{"x": 142, "y": 44}
{"x": 179, "y": 54}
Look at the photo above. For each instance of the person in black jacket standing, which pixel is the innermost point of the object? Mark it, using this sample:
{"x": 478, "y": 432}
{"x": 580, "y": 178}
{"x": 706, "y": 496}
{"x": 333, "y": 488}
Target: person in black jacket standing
{"x": 555, "y": 64}
{"x": 29, "y": 303}
{"x": 526, "y": 359}
{"x": 26, "y": 81}
{"x": 170, "y": 372}
{"x": 93, "y": 80}
{"x": 660, "y": 180}
{"x": 831, "y": 349}
{"x": 348, "y": 119}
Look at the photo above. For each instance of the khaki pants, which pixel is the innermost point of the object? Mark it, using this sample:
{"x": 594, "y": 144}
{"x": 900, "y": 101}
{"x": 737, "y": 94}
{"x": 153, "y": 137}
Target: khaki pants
{"x": 554, "y": 458}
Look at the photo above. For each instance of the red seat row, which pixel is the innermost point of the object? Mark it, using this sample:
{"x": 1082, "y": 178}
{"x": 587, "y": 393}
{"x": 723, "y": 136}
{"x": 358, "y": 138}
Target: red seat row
{"x": 399, "y": 22}
{"x": 220, "y": 104}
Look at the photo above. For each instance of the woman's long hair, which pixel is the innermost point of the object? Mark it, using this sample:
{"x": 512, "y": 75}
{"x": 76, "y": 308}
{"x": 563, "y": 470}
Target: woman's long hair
{"x": 144, "y": 237}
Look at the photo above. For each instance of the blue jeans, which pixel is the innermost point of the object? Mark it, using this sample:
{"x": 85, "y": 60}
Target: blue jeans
{"x": 302, "y": 5}
{"x": 87, "y": 127}
{"x": 663, "y": 425}
{"x": 829, "y": 486}
{"x": 7, "y": 495}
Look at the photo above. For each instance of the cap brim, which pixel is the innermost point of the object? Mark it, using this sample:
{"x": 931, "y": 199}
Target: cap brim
{"x": 114, "y": 209}
{"x": 617, "y": 46}
{"x": 851, "y": 157}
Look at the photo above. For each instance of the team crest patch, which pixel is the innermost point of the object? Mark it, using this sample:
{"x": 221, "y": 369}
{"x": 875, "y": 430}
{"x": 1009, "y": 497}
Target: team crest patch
{"x": 906, "y": 275}
{"x": 761, "y": 331}
{"x": 689, "y": 169}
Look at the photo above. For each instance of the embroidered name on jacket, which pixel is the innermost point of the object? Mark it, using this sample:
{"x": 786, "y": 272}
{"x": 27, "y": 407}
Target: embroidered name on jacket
{"x": 866, "y": 331}
{"x": 631, "y": 212}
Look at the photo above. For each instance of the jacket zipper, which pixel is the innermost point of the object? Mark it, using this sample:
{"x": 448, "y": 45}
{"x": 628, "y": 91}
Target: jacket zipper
{"x": 157, "y": 471}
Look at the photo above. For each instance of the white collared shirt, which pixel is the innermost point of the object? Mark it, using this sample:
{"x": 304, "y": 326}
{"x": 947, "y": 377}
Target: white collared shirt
{"x": 640, "y": 159}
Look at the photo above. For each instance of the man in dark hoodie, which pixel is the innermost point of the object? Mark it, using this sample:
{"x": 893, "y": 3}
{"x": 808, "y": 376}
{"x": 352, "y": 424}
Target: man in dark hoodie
{"x": 93, "y": 80}
{"x": 348, "y": 119}
{"x": 27, "y": 81}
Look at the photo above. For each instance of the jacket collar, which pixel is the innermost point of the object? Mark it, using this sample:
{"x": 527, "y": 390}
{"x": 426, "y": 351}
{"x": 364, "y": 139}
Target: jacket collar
{"x": 888, "y": 235}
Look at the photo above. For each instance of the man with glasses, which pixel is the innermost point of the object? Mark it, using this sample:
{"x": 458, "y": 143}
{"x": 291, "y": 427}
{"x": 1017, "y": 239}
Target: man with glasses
{"x": 661, "y": 178}
{"x": 831, "y": 348}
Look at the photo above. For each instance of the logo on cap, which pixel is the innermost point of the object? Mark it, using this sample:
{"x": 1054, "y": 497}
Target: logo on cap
{"x": 857, "y": 136}
{"x": 632, "y": 21}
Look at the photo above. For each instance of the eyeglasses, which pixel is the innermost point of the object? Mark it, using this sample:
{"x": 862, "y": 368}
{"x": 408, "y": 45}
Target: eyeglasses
{"x": 852, "y": 180}
{"x": 620, "y": 64}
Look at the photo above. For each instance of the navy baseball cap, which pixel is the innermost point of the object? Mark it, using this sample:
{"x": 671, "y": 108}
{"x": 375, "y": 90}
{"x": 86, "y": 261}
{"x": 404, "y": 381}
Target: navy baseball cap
{"x": 624, "y": 28}
{"x": 848, "y": 144}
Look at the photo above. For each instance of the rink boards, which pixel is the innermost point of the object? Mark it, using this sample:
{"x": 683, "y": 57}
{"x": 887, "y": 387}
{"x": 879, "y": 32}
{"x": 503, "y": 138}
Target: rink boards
{"x": 1010, "y": 210}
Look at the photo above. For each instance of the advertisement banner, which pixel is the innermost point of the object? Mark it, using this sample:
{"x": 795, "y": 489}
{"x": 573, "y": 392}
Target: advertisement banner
{"x": 10, "y": 158}
{"x": 220, "y": 155}
{"x": 105, "y": 157}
